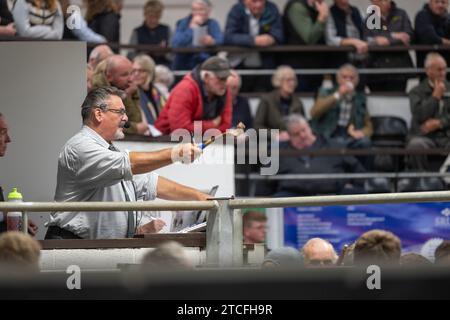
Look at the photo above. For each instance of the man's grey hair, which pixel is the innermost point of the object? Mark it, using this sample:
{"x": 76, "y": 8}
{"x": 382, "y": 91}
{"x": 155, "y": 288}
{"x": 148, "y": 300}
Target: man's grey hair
{"x": 294, "y": 119}
{"x": 280, "y": 74}
{"x": 430, "y": 58}
{"x": 203, "y": 74}
{"x": 1, "y": 114}
{"x": 164, "y": 75}
{"x": 348, "y": 66}
{"x": 98, "y": 98}
{"x": 204, "y": 2}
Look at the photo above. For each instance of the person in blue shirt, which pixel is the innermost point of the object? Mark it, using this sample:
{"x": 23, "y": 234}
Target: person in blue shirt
{"x": 196, "y": 30}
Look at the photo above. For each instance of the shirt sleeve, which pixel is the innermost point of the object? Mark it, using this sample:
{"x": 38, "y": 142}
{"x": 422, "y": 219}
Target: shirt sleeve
{"x": 331, "y": 36}
{"x": 85, "y": 33}
{"x": 94, "y": 166}
{"x": 146, "y": 186}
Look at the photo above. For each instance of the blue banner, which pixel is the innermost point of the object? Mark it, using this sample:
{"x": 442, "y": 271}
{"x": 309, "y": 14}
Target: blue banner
{"x": 414, "y": 223}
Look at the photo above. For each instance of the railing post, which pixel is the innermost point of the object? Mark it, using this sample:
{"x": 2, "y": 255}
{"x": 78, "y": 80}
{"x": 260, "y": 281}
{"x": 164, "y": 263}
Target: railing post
{"x": 24, "y": 222}
{"x": 224, "y": 237}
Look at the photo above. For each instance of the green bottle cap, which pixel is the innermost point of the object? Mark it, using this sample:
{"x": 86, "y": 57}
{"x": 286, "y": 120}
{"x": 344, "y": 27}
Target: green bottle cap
{"x": 14, "y": 195}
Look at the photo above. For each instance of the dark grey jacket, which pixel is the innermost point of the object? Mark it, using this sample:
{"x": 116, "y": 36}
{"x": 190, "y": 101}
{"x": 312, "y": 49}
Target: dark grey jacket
{"x": 424, "y": 106}
{"x": 269, "y": 115}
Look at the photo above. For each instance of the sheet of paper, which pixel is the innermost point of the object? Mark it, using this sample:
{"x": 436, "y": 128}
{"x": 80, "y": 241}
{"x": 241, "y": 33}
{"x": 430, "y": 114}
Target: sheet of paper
{"x": 198, "y": 33}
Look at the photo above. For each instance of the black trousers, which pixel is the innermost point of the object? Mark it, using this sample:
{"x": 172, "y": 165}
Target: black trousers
{"x": 57, "y": 233}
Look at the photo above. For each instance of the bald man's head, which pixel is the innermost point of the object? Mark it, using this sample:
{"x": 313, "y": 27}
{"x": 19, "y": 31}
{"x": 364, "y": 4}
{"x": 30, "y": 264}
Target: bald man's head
{"x": 98, "y": 54}
{"x": 318, "y": 252}
{"x": 118, "y": 72}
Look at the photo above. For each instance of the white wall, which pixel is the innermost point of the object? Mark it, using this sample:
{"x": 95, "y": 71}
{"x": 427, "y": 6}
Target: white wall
{"x": 104, "y": 259}
{"x": 42, "y": 86}
{"x": 214, "y": 167}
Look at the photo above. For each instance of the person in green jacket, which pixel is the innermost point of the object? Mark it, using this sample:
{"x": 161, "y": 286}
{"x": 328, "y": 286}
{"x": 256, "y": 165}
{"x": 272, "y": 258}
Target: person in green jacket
{"x": 340, "y": 113}
{"x": 430, "y": 109}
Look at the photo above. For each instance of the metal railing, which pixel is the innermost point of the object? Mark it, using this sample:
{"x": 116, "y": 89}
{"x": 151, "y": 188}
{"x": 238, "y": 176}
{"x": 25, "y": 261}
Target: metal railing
{"x": 224, "y": 228}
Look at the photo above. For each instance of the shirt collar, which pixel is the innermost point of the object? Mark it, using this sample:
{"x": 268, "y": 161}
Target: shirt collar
{"x": 94, "y": 135}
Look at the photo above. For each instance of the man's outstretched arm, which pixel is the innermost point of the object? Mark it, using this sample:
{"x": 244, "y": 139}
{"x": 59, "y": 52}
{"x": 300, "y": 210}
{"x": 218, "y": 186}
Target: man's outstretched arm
{"x": 143, "y": 162}
{"x": 170, "y": 190}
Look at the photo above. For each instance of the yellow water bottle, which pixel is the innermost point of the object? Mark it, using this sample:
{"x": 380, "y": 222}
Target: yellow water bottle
{"x": 14, "y": 218}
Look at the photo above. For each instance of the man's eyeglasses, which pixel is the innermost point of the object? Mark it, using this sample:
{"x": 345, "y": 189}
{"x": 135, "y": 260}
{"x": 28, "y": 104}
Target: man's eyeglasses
{"x": 118, "y": 111}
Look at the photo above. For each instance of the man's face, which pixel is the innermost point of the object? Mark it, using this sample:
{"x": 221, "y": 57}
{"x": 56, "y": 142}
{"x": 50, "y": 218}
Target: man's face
{"x": 342, "y": 3}
{"x": 214, "y": 85}
{"x": 256, "y": 7}
{"x": 152, "y": 19}
{"x": 385, "y": 5}
{"x": 347, "y": 75}
{"x": 255, "y": 232}
{"x": 200, "y": 10}
{"x": 112, "y": 120}
{"x": 120, "y": 75}
{"x": 438, "y": 7}
{"x": 319, "y": 255}
{"x": 288, "y": 83}
{"x": 436, "y": 71}
{"x": 233, "y": 85}
{"x": 300, "y": 135}
{"x": 4, "y": 136}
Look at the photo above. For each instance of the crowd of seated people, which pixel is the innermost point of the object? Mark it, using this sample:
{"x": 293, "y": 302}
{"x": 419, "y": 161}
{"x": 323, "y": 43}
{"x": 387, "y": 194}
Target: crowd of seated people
{"x": 339, "y": 115}
{"x": 249, "y": 23}
{"x": 374, "y": 247}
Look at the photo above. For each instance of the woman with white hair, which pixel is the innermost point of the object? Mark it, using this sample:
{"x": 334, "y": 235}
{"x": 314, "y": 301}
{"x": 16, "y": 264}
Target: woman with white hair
{"x": 196, "y": 30}
{"x": 164, "y": 79}
{"x": 151, "y": 99}
{"x": 279, "y": 103}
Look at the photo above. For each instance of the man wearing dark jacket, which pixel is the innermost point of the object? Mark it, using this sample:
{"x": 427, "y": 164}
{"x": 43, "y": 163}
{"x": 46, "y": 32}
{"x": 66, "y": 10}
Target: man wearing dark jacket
{"x": 433, "y": 27}
{"x": 396, "y": 30}
{"x": 302, "y": 138}
{"x": 6, "y": 20}
{"x": 254, "y": 23}
{"x": 345, "y": 28}
{"x": 430, "y": 109}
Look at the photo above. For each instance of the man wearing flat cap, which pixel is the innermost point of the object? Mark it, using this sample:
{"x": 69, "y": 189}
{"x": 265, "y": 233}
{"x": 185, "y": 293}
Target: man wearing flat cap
{"x": 201, "y": 95}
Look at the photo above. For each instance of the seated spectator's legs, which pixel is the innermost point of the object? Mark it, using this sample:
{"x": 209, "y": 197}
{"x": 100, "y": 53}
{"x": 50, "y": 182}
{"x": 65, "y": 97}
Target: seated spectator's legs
{"x": 420, "y": 162}
{"x": 345, "y": 141}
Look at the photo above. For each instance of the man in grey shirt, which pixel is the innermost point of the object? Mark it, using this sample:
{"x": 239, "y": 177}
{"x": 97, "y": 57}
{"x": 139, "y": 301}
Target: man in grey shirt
{"x": 90, "y": 168}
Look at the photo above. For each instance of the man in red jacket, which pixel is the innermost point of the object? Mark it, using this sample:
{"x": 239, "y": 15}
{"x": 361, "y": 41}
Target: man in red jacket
{"x": 202, "y": 95}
